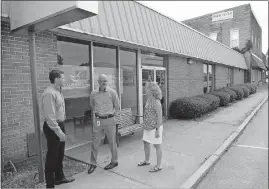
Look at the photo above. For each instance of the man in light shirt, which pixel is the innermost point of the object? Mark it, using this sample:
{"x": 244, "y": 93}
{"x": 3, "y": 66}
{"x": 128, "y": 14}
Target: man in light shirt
{"x": 104, "y": 103}
{"x": 53, "y": 108}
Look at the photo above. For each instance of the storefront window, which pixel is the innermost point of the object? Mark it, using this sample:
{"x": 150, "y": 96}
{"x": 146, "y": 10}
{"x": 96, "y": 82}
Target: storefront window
{"x": 208, "y": 78}
{"x": 205, "y": 77}
{"x": 73, "y": 60}
{"x": 104, "y": 62}
{"x": 229, "y": 75}
{"x": 128, "y": 70}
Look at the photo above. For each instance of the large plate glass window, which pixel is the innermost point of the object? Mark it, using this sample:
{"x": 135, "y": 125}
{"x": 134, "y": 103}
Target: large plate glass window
{"x": 128, "y": 67}
{"x": 73, "y": 60}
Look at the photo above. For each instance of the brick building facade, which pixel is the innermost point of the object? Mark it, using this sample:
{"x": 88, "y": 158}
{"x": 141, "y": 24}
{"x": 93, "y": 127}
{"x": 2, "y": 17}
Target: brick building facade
{"x": 235, "y": 31}
{"x": 187, "y": 61}
{"x": 17, "y": 107}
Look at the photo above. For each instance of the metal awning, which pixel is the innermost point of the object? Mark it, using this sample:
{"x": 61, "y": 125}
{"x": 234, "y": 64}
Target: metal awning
{"x": 133, "y": 23}
{"x": 257, "y": 63}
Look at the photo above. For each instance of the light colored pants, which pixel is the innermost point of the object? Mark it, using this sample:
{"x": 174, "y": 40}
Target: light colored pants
{"x": 108, "y": 127}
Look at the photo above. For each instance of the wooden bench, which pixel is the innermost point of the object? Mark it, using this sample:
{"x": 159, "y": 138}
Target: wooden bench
{"x": 126, "y": 123}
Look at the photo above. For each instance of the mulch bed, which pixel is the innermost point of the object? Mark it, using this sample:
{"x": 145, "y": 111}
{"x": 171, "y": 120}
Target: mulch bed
{"x": 27, "y": 177}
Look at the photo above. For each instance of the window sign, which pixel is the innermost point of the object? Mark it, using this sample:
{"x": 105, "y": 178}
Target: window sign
{"x": 76, "y": 81}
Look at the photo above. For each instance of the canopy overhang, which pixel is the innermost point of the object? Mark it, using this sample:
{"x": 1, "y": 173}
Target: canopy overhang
{"x": 44, "y": 15}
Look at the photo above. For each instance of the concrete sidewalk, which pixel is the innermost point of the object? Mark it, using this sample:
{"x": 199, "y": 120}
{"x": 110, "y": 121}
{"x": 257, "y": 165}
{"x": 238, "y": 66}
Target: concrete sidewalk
{"x": 186, "y": 145}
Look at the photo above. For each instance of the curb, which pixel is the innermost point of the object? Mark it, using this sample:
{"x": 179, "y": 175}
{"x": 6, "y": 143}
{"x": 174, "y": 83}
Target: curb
{"x": 194, "y": 180}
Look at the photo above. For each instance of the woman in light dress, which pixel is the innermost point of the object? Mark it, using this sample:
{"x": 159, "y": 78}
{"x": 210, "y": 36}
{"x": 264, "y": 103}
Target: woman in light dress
{"x": 152, "y": 125}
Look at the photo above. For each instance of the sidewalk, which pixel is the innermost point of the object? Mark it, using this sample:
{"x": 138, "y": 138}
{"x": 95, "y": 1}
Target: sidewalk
{"x": 186, "y": 145}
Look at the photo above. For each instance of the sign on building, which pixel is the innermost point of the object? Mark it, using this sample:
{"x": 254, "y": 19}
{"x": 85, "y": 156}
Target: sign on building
{"x": 222, "y": 16}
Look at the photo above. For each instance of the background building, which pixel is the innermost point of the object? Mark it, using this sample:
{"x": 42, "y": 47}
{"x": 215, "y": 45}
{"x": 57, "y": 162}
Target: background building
{"x": 234, "y": 27}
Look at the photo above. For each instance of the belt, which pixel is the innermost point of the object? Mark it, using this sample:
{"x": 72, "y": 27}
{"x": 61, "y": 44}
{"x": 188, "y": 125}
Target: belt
{"x": 58, "y": 121}
{"x": 104, "y": 117}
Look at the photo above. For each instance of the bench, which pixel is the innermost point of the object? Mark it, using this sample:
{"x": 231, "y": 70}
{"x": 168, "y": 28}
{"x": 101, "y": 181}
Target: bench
{"x": 126, "y": 123}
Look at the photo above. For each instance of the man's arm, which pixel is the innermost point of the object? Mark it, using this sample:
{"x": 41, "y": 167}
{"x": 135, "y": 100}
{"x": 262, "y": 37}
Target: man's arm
{"x": 50, "y": 113}
{"x": 116, "y": 100}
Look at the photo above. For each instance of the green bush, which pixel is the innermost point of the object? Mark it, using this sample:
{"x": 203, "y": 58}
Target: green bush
{"x": 223, "y": 96}
{"x": 252, "y": 87}
{"x": 192, "y": 107}
{"x": 230, "y": 92}
{"x": 245, "y": 90}
{"x": 239, "y": 92}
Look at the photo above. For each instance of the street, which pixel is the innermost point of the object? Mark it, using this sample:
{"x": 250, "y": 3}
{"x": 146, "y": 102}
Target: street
{"x": 245, "y": 164}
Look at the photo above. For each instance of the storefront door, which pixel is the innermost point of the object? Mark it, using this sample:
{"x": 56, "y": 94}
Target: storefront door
{"x": 154, "y": 74}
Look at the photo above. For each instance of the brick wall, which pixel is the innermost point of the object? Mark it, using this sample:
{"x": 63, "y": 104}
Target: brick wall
{"x": 221, "y": 76}
{"x": 238, "y": 76}
{"x": 184, "y": 79}
{"x": 256, "y": 76}
{"x": 17, "y": 113}
{"x": 241, "y": 20}
{"x": 257, "y": 35}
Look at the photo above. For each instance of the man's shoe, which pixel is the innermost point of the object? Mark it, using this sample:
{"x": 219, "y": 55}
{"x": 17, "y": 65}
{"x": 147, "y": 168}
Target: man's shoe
{"x": 91, "y": 169}
{"x": 64, "y": 180}
{"x": 50, "y": 186}
{"x": 111, "y": 165}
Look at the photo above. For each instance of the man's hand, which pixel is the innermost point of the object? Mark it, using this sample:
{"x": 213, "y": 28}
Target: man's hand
{"x": 61, "y": 136}
{"x": 157, "y": 133}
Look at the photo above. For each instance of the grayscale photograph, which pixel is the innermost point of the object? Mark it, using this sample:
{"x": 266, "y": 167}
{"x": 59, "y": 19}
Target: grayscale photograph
{"x": 134, "y": 94}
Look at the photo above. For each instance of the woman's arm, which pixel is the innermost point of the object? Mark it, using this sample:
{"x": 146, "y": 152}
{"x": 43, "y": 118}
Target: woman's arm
{"x": 158, "y": 108}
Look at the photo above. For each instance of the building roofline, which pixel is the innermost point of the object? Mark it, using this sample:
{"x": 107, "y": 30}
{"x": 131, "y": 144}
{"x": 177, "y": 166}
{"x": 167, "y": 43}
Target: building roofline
{"x": 179, "y": 22}
{"x": 216, "y": 12}
{"x": 256, "y": 56}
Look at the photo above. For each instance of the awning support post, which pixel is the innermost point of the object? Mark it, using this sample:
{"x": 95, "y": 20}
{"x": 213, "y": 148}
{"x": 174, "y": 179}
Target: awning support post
{"x": 32, "y": 50}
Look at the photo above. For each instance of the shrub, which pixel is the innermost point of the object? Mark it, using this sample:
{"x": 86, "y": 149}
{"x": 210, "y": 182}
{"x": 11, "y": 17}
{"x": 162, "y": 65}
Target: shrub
{"x": 212, "y": 100}
{"x": 230, "y": 92}
{"x": 192, "y": 107}
{"x": 223, "y": 96}
{"x": 187, "y": 107}
{"x": 245, "y": 90}
{"x": 239, "y": 92}
{"x": 252, "y": 87}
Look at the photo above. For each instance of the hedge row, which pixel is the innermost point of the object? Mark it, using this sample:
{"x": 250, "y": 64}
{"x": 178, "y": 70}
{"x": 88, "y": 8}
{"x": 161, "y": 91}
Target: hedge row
{"x": 196, "y": 106}
{"x": 191, "y": 107}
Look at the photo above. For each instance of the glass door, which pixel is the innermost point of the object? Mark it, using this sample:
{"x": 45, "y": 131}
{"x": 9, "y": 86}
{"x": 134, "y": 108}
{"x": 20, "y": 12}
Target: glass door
{"x": 154, "y": 74}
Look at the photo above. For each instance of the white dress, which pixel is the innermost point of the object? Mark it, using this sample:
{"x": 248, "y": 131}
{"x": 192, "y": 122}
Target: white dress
{"x": 149, "y": 136}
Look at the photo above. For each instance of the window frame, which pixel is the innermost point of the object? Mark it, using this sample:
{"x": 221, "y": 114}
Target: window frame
{"x": 229, "y": 76}
{"x": 231, "y": 44}
{"x": 208, "y": 76}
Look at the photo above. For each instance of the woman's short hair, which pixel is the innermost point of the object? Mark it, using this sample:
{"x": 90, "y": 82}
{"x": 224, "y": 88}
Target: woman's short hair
{"x": 155, "y": 89}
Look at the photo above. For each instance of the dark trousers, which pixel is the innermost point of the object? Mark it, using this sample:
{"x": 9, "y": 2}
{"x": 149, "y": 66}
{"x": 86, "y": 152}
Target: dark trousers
{"x": 55, "y": 155}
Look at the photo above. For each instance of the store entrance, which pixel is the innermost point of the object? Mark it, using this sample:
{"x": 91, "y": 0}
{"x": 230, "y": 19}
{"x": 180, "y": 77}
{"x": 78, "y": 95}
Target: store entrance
{"x": 155, "y": 74}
